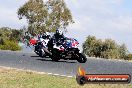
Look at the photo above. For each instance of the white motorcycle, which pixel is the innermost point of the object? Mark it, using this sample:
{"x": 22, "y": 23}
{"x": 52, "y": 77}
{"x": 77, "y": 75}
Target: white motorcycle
{"x": 41, "y": 47}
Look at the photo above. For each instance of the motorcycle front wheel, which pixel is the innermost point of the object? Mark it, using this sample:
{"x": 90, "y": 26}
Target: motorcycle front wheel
{"x": 55, "y": 55}
{"x": 81, "y": 58}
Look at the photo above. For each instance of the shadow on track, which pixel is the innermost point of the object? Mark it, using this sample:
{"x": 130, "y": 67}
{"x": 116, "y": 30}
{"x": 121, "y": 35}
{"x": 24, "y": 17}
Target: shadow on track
{"x": 40, "y": 57}
{"x": 55, "y": 61}
{"x": 34, "y": 56}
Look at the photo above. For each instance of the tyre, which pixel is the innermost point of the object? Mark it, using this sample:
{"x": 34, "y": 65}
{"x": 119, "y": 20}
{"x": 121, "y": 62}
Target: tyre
{"x": 55, "y": 55}
{"x": 37, "y": 50}
{"x": 42, "y": 53}
{"x": 81, "y": 58}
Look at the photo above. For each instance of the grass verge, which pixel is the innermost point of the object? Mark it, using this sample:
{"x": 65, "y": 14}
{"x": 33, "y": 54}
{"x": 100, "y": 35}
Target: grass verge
{"x": 11, "y": 78}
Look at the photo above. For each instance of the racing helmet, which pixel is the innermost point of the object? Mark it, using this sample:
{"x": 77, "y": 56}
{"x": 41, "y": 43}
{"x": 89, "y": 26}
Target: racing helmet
{"x": 46, "y": 35}
{"x": 59, "y": 32}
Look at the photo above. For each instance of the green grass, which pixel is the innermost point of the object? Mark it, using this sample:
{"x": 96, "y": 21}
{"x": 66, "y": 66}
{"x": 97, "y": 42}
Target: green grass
{"x": 24, "y": 79}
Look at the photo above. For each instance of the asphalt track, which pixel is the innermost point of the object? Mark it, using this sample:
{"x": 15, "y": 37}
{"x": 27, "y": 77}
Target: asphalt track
{"x": 30, "y": 61}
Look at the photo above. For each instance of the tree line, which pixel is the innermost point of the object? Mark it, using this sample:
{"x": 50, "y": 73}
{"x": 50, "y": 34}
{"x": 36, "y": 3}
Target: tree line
{"x": 41, "y": 17}
{"x": 45, "y": 16}
{"x": 107, "y": 48}
{"x": 9, "y": 38}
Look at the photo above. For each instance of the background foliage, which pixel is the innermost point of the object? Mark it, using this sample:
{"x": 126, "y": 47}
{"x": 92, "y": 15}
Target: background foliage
{"x": 107, "y": 48}
{"x": 45, "y": 16}
{"x": 9, "y": 38}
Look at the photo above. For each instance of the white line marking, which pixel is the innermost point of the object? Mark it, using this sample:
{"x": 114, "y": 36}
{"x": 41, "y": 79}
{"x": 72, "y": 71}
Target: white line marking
{"x": 69, "y": 76}
{"x": 63, "y": 75}
{"x": 56, "y": 74}
{"x": 49, "y": 73}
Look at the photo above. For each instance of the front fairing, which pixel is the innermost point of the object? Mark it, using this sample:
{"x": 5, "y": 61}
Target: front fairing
{"x": 71, "y": 43}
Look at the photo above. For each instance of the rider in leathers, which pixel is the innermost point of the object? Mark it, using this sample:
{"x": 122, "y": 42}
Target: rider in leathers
{"x": 58, "y": 39}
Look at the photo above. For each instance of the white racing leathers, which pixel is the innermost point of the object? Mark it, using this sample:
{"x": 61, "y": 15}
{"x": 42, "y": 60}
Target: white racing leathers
{"x": 44, "y": 43}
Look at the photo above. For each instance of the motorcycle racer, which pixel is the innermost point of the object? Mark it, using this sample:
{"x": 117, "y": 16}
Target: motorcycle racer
{"x": 62, "y": 47}
{"x": 59, "y": 38}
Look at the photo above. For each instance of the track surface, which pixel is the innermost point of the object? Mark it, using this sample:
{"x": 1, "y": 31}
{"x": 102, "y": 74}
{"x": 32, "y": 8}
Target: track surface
{"x": 30, "y": 61}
